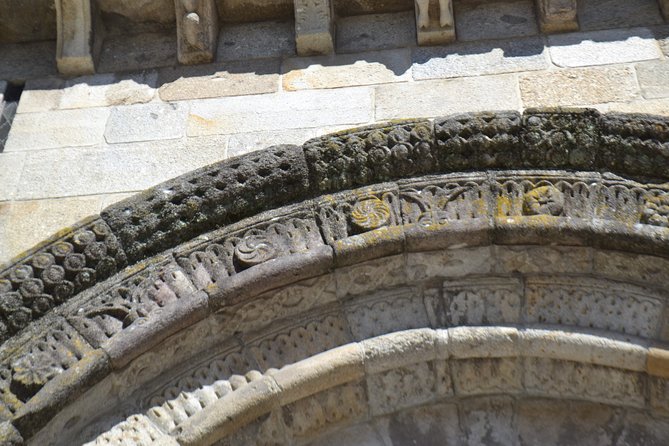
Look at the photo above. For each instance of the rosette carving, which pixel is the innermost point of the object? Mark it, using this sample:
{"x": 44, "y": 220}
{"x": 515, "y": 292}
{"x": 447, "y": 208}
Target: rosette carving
{"x": 370, "y": 213}
{"x": 254, "y": 250}
{"x": 544, "y": 200}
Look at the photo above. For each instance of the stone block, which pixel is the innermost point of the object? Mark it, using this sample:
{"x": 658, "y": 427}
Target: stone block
{"x": 477, "y": 58}
{"x": 450, "y": 263}
{"x": 370, "y": 276}
{"x": 314, "y": 27}
{"x": 11, "y": 166}
{"x": 146, "y": 122}
{"x": 112, "y": 169}
{"x": 401, "y": 387}
{"x": 398, "y": 349}
{"x": 258, "y": 40}
{"x": 654, "y": 79}
{"x": 303, "y": 109}
{"x": 56, "y": 129}
{"x": 386, "y": 312}
{"x": 474, "y": 342}
{"x": 138, "y": 51}
{"x": 27, "y": 60}
{"x": 635, "y": 268}
{"x": 658, "y": 362}
{"x": 483, "y": 20}
{"x": 445, "y": 97}
{"x": 242, "y": 143}
{"x": 565, "y": 379}
{"x": 370, "y": 32}
{"x": 482, "y": 301}
{"x": 487, "y": 376}
{"x": 603, "y": 47}
{"x": 579, "y": 86}
{"x": 212, "y": 81}
{"x": 429, "y": 425}
{"x": 652, "y": 106}
{"x": 197, "y": 30}
{"x": 543, "y": 259}
{"x": 434, "y": 22}
{"x": 489, "y": 421}
{"x": 79, "y": 36}
{"x": 557, "y": 15}
{"x": 346, "y": 70}
{"x": 603, "y": 14}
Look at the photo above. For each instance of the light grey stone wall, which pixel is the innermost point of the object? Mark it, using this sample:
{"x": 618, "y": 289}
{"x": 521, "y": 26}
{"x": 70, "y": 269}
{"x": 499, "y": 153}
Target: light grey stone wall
{"x": 79, "y": 144}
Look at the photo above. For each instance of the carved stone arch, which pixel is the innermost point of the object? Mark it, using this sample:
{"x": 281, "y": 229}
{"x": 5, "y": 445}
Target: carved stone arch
{"x": 504, "y": 265}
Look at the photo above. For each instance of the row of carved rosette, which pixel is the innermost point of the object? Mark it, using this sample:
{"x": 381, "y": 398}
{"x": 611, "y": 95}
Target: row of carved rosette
{"x": 80, "y": 29}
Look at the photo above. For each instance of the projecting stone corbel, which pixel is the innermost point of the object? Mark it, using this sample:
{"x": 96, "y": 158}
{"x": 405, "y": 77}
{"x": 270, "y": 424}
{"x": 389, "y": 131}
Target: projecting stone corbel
{"x": 79, "y": 38}
{"x": 314, "y": 27}
{"x": 435, "y": 24}
{"x": 197, "y": 31}
{"x": 556, "y": 16}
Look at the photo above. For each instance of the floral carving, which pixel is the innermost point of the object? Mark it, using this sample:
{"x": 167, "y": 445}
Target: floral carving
{"x": 254, "y": 250}
{"x": 370, "y": 213}
{"x": 656, "y": 211}
{"x": 544, "y": 200}
{"x": 35, "y": 369}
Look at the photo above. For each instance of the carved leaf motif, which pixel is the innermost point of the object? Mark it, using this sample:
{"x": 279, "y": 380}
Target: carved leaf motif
{"x": 35, "y": 369}
{"x": 254, "y": 250}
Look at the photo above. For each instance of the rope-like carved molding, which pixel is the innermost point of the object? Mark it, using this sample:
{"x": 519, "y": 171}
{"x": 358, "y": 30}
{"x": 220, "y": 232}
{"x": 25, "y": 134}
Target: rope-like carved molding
{"x": 101, "y": 324}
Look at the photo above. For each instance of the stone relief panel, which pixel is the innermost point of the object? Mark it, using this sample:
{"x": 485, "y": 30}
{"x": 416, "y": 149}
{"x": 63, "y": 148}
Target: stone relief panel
{"x": 128, "y": 301}
{"x": 386, "y": 272}
{"x": 422, "y": 266}
{"x": 27, "y": 369}
{"x": 343, "y": 404}
{"x": 622, "y": 202}
{"x": 387, "y": 312}
{"x": 483, "y": 140}
{"x": 229, "y": 252}
{"x": 373, "y": 155}
{"x": 483, "y": 301}
{"x": 593, "y": 303}
{"x": 656, "y": 209}
{"x": 302, "y": 339}
{"x": 487, "y": 376}
{"x": 565, "y": 379}
{"x": 56, "y": 272}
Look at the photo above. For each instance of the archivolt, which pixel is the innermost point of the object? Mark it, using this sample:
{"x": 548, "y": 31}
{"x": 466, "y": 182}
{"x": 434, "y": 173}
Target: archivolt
{"x": 318, "y": 278}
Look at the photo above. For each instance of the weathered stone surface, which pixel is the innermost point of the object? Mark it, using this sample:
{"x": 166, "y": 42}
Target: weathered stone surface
{"x": 654, "y": 79}
{"x": 303, "y": 109}
{"x": 138, "y": 52}
{"x": 314, "y": 27}
{"x": 603, "y": 47}
{"x": 11, "y": 167}
{"x": 54, "y": 129}
{"x": 433, "y": 98}
{"x": 557, "y": 15}
{"x": 242, "y": 143}
{"x": 197, "y": 31}
{"x": 344, "y": 70}
{"x": 482, "y": 20}
{"x": 18, "y": 26}
{"x": 489, "y": 419}
{"x": 146, "y": 122}
{"x": 435, "y": 24}
{"x": 602, "y": 14}
{"x": 361, "y": 33}
{"x": 579, "y": 86}
{"x": 428, "y": 425}
{"x": 244, "y": 41}
{"x": 161, "y": 11}
{"x": 543, "y": 259}
{"x": 79, "y": 38}
{"x": 475, "y": 59}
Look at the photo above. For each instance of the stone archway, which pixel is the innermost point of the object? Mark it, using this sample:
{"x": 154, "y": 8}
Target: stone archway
{"x": 306, "y": 294}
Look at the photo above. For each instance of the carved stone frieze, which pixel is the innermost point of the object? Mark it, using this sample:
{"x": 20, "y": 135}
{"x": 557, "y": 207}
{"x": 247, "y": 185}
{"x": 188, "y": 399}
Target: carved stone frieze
{"x": 656, "y": 210}
{"x": 56, "y": 271}
{"x": 482, "y": 301}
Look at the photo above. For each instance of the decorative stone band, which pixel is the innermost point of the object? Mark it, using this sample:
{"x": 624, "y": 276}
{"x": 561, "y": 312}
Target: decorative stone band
{"x": 418, "y": 367}
{"x": 230, "y": 239}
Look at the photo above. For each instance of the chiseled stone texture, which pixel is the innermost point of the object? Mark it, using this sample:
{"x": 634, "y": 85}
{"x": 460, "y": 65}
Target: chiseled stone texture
{"x": 138, "y": 52}
{"x": 476, "y": 58}
{"x": 579, "y": 86}
{"x": 603, "y": 47}
{"x": 147, "y": 122}
{"x": 361, "y": 33}
{"x": 444, "y": 97}
{"x": 481, "y": 19}
{"x": 259, "y": 40}
{"x": 601, "y": 14}
{"x": 300, "y": 109}
{"x": 654, "y": 79}
{"x": 217, "y": 80}
{"x": 55, "y": 129}
{"x": 346, "y": 70}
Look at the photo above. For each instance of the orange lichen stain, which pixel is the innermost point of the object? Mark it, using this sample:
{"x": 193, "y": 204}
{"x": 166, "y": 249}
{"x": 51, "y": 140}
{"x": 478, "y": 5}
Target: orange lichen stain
{"x": 503, "y": 206}
{"x": 202, "y": 122}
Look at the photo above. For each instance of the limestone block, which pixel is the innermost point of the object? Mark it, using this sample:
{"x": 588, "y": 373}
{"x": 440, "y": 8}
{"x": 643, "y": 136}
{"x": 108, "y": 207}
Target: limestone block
{"x": 658, "y": 362}
{"x": 557, "y": 15}
{"x": 197, "y": 30}
{"x": 435, "y": 24}
{"x": 79, "y": 36}
{"x": 385, "y": 272}
{"x": 475, "y": 342}
{"x": 398, "y": 349}
{"x": 483, "y": 376}
{"x": 146, "y": 122}
{"x": 482, "y": 301}
{"x": 401, "y": 387}
{"x": 314, "y": 27}
{"x": 360, "y": 33}
{"x": 654, "y": 78}
{"x": 483, "y": 20}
